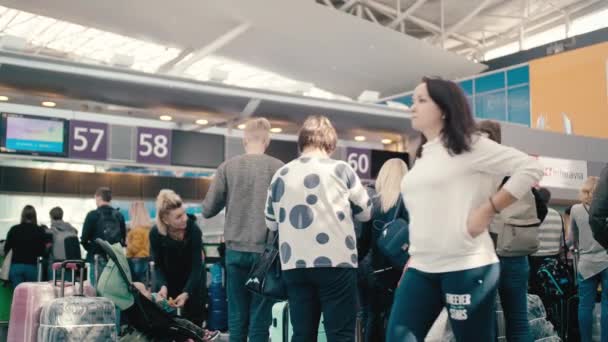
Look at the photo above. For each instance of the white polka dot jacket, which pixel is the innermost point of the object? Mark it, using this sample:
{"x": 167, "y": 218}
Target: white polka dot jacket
{"x": 311, "y": 202}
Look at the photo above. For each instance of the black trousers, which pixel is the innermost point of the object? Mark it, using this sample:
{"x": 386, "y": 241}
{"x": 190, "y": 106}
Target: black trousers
{"x": 331, "y": 291}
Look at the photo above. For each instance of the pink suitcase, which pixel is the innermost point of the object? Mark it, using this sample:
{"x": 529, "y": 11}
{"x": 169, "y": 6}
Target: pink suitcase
{"x": 28, "y": 300}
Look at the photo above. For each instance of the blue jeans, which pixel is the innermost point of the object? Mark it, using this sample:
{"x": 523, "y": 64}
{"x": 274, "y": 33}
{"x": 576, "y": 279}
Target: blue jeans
{"x": 469, "y": 296}
{"x": 21, "y": 273}
{"x": 249, "y": 314}
{"x": 587, "y": 292}
{"x": 513, "y": 291}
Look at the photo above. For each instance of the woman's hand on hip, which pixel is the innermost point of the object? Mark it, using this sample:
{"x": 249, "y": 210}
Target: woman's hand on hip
{"x": 479, "y": 219}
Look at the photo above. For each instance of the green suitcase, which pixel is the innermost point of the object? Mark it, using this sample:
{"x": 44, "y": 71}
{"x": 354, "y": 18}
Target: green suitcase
{"x": 281, "y": 329}
{"x": 6, "y": 298}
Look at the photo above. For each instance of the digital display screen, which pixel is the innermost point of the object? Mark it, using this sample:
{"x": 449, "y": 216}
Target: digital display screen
{"x": 30, "y": 134}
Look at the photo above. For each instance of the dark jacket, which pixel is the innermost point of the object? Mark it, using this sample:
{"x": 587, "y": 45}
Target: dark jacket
{"x": 28, "y": 242}
{"x": 61, "y": 230}
{"x": 178, "y": 264}
{"x": 598, "y": 213}
{"x": 91, "y": 231}
{"x": 368, "y": 247}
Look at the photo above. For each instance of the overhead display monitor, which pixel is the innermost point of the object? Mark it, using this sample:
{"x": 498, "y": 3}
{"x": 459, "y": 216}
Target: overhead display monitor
{"x": 380, "y": 157}
{"x": 285, "y": 151}
{"x": 33, "y": 135}
{"x": 197, "y": 149}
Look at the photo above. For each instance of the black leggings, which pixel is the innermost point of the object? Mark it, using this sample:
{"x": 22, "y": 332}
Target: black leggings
{"x": 332, "y": 291}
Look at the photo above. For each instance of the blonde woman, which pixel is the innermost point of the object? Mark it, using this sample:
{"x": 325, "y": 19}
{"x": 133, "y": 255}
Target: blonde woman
{"x": 176, "y": 244}
{"x": 384, "y": 279}
{"x": 138, "y": 243}
{"x": 592, "y": 266}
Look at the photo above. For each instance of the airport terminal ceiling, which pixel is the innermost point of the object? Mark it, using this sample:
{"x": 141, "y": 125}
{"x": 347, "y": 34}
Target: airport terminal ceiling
{"x": 316, "y": 50}
{"x": 381, "y": 45}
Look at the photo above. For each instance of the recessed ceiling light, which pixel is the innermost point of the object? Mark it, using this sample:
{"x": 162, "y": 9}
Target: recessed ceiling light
{"x": 386, "y": 141}
{"x": 202, "y": 122}
{"x": 241, "y": 126}
{"x": 49, "y": 104}
{"x": 359, "y": 138}
{"x": 165, "y": 118}
{"x": 4, "y": 98}
{"x": 276, "y": 130}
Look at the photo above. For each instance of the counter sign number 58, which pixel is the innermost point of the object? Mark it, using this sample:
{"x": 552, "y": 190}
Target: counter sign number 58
{"x": 153, "y": 145}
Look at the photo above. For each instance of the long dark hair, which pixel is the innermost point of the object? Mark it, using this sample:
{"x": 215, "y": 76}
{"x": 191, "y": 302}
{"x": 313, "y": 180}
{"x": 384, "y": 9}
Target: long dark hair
{"x": 28, "y": 215}
{"x": 459, "y": 124}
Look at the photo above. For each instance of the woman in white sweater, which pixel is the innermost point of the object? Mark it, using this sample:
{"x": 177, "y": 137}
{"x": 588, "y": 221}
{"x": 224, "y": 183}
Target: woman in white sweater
{"x": 451, "y": 196}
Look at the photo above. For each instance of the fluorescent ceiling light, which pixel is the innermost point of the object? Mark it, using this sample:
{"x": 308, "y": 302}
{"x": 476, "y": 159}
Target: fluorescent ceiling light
{"x": 49, "y": 104}
{"x": 202, "y": 122}
{"x": 369, "y": 96}
{"x": 241, "y": 126}
{"x": 4, "y": 98}
{"x": 360, "y": 138}
{"x": 386, "y": 141}
{"x": 397, "y": 105}
{"x": 276, "y": 130}
{"x": 165, "y": 118}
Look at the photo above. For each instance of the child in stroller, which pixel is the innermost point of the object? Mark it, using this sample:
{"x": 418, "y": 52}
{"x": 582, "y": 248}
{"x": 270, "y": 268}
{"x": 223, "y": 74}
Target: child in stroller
{"x": 135, "y": 303}
{"x": 169, "y": 307}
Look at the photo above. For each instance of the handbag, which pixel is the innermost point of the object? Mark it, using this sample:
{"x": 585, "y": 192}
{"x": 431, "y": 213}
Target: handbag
{"x": 556, "y": 275}
{"x": 265, "y": 277}
{"x": 394, "y": 239}
{"x": 6, "y": 266}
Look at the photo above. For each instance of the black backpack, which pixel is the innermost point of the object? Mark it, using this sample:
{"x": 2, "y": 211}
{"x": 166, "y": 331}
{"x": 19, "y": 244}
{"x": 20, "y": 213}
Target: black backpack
{"x": 541, "y": 207}
{"x": 72, "y": 248}
{"x": 109, "y": 223}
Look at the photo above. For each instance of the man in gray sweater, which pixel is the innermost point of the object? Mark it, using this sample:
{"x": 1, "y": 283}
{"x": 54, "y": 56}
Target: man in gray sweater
{"x": 240, "y": 185}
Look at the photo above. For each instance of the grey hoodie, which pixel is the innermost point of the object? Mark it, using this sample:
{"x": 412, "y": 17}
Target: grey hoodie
{"x": 61, "y": 230}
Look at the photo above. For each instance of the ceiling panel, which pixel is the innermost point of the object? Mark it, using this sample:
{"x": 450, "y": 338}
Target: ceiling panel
{"x": 339, "y": 53}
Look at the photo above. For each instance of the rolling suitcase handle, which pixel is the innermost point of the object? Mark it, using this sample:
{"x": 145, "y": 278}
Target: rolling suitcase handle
{"x": 39, "y": 268}
{"x": 56, "y": 266}
{"x": 151, "y": 274}
{"x": 96, "y": 267}
{"x": 74, "y": 265}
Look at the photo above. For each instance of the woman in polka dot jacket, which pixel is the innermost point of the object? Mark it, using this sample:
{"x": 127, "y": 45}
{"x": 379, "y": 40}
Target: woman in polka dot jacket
{"x": 309, "y": 203}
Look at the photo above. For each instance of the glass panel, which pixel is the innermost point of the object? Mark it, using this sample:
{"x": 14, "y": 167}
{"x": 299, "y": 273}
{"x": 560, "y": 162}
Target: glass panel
{"x": 490, "y": 82}
{"x": 518, "y": 76}
{"x": 491, "y": 106}
{"x": 467, "y": 86}
{"x": 519, "y": 105}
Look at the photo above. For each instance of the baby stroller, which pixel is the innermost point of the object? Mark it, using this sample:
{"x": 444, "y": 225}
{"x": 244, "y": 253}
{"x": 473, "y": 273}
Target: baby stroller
{"x": 144, "y": 315}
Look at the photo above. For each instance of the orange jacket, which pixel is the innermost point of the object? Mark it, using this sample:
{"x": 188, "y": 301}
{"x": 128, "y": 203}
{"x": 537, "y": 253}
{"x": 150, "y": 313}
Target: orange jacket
{"x": 138, "y": 243}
